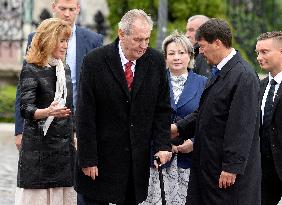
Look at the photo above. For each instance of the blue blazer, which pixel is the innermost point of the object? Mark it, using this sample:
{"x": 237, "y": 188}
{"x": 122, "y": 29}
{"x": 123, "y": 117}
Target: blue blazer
{"x": 188, "y": 102}
{"x": 86, "y": 40}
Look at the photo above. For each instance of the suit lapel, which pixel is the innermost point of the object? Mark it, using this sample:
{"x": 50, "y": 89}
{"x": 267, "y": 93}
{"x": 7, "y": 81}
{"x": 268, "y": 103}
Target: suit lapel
{"x": 263, "y": 85}
{"x": 114, "y": 64}
{"x": 211, "y": 81}
{"x": 142, "y": 65}
{"x": 81, "y": 49}
{"x": 224, "y": 70}
{"x": 277, "y": 97}
{"x": 189, "y": 91}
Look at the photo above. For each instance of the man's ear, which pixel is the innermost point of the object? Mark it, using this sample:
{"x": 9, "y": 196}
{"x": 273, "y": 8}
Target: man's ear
{"x": 78, "y": 8}
{"x": 53, "y": 7}
{"x": 121, "y": 34}
{"x": 218, "y": 43}
{"x": 280, "y": 50}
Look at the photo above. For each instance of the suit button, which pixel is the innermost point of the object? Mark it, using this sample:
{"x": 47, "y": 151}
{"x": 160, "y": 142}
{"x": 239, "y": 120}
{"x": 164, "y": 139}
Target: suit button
{"x": 127, "y": 149}
{"x": 127, "y": 101}
{"x": 131, "y": 125}
{"x": 241, "y": 159}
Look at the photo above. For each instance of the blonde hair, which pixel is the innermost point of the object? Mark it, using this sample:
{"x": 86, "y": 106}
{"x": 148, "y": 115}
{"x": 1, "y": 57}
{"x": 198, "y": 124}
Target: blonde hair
{"x": 46, "y": 39}
{"x": 181, "y": 39}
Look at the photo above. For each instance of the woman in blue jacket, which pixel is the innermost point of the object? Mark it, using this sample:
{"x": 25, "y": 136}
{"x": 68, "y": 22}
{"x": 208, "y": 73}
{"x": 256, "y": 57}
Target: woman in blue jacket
{"x": 186, "y": 88}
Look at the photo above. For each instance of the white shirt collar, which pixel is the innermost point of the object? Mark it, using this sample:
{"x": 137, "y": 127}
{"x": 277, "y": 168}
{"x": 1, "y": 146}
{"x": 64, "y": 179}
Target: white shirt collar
{"x": 122, "y": 56}
{"x": 184, "y": 75}
{"x": 277, "y": 78}
{"x": 73, "y": 30}
{"x": 226, "y": 59}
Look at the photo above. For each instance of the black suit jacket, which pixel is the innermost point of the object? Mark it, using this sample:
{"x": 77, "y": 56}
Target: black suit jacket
{"x": 276, "y": 127}
{"x": 115, "y": 127}
{"x": 226, "y": 137}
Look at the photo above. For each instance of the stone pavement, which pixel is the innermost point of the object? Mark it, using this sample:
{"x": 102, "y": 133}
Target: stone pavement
{"x": 8, "y": 164}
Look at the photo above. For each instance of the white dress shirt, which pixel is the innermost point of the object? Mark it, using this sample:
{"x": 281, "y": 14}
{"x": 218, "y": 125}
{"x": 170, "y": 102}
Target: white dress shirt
{"x": 226, "y": 59}
{"x": 124, "y": 60}
{"x": 71, "y": 61}
{"x": 278, "y": 79}
{"x": 178, "y": 83}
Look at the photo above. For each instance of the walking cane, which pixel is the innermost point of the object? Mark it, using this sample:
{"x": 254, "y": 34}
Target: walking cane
{"x": 160, "y": 168}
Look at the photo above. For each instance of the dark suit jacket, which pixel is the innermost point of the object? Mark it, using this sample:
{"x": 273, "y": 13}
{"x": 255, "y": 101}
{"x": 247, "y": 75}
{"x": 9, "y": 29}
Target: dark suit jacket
{"x": 115, "y": 126}
{"x": 276, "y": 127}
{"x": 226, "y": 129}
{"x": 86, "y": 40}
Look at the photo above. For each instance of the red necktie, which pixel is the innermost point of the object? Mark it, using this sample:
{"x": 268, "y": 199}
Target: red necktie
{"x": 128, "y": 74}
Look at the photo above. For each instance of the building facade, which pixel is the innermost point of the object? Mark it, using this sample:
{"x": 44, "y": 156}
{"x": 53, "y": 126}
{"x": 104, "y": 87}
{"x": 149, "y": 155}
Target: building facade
{"x": 20, "y": 17}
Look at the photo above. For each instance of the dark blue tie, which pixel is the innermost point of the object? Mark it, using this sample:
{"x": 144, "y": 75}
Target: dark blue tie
{"x": 268, "y": 107}
{"x": 214, "y": 71}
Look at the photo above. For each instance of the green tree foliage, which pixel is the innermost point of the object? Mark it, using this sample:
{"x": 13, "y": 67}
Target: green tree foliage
{"x": 178, "y": 12}
{"x": 119, "y": 8}
{"x": 271, "y": 13}
{"x": 7, "y": 101}
{"x": 248, "y": 18}
{"x": 182, "y": 9}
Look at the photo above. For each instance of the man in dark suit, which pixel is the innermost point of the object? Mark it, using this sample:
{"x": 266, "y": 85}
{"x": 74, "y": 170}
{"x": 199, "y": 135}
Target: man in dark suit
{"x": 81, "y": 42}
{"x": 269, "y": 51}
{"x": 226, "y": 164}
{"x": 194, "y": 22}
{"x": 123, "y": 106}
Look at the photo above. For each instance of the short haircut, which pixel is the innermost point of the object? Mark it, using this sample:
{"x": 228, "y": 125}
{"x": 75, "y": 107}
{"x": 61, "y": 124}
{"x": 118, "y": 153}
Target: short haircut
{"x": 128, "y": 19}
{"x": 215, "y": 29}
{"x": 202, "y": 18}
{"x": 275, "y": 35}
{"x": 56, "y": 1}
{"x": 46, "y": 39}
{"x": 181, "y": 39}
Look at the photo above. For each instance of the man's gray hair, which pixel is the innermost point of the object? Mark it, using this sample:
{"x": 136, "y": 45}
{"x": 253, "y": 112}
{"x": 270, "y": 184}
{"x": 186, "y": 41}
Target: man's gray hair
{"x": 203, "y": 18}
{"x": 128, "y": 19}
{"x": 181, "y": 39}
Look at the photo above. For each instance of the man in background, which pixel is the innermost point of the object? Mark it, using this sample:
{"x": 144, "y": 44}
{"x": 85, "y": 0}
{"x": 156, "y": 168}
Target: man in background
{"x": 194, "y": 22}
{"x": 81, "y": 42}
{"x": 269, "y": 55}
